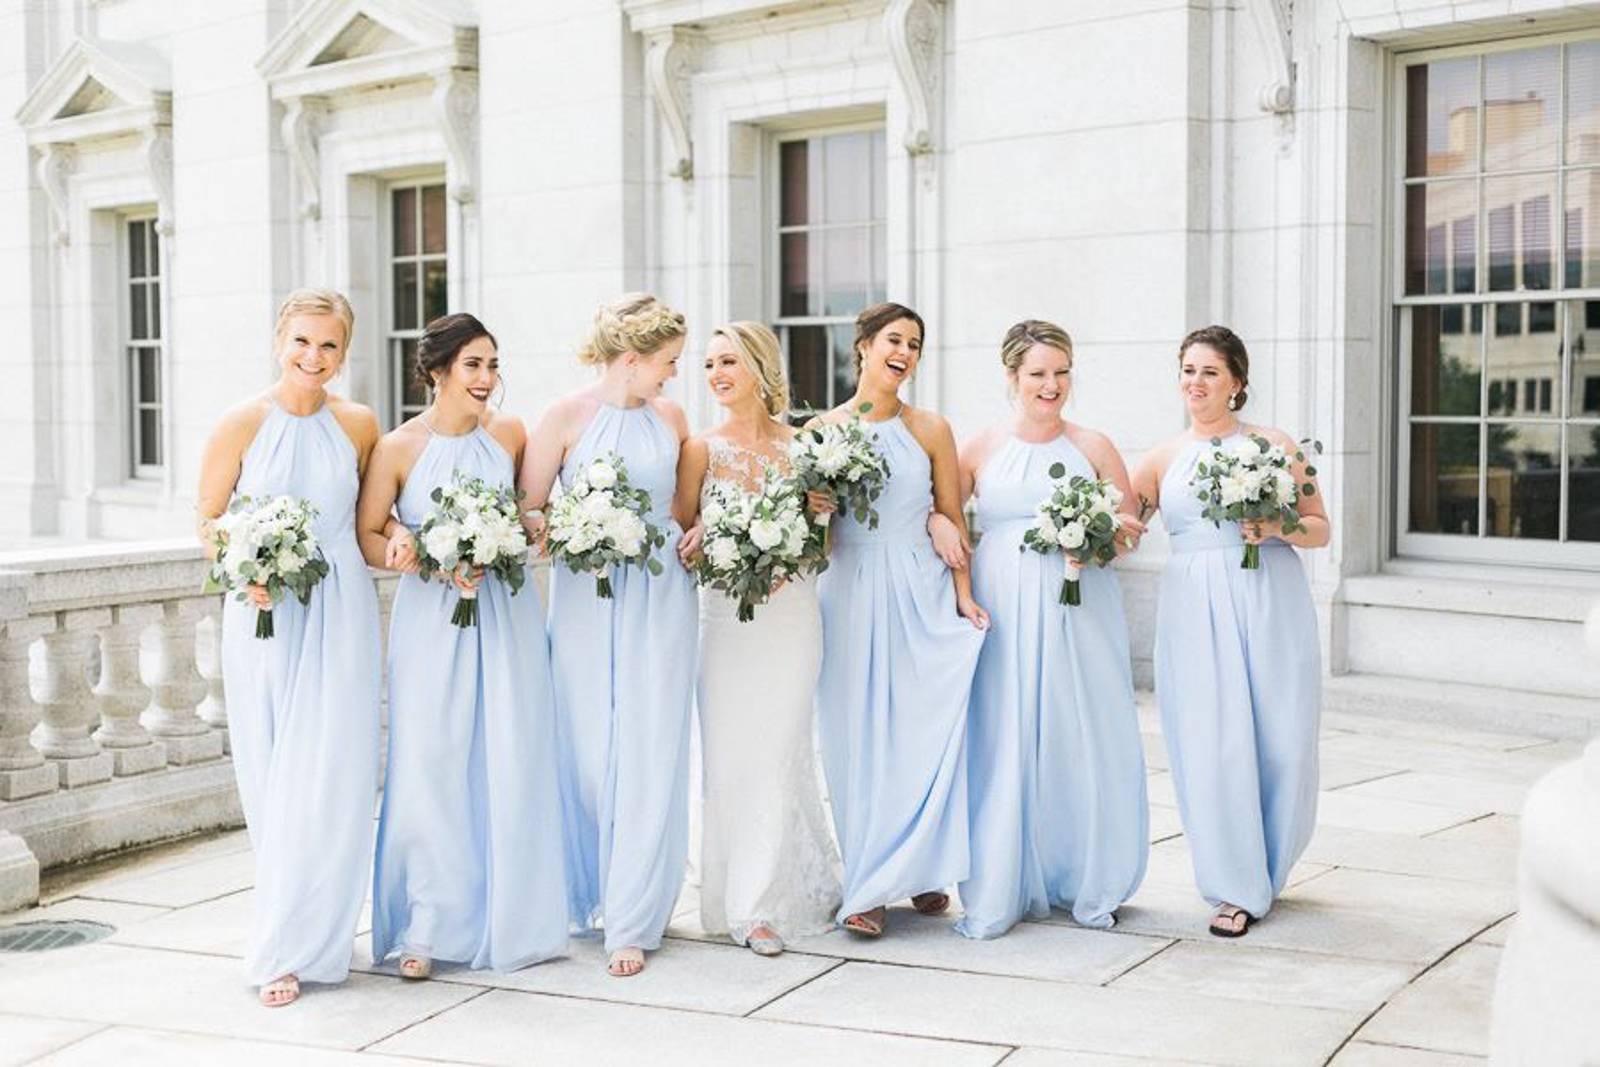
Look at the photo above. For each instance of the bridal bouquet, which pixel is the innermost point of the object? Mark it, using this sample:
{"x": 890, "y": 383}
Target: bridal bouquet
{"x": 842, "y": 460}
{"x": 1079, "y": 520}
{"x": 599, "y": 522}
{"x": 753, "y": 541}
{"x": 266, "y": 542}
{"x": 473, "y": 526}
{"x": 1252, "y": 480}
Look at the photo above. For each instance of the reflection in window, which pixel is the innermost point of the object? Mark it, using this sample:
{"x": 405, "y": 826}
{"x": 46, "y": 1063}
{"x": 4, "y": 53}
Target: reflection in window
{"x": 1523, "y": 486}
{"x": 1502, "y": 249}
{"x": 832, "y": 256}
{"x": 1444, "y": 478}
{"x": 142, "y": 346}
{"x": 418, "y": 287}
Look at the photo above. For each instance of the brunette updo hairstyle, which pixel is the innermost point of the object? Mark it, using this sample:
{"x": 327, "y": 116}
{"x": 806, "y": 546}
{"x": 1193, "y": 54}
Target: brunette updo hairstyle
{"x": 871, "y": 322}
{"x": 1226, "y": 344}
{"x": 633, "y": 322}
{"x": 442, "y": 341}
{"x": 1027, "y": 333}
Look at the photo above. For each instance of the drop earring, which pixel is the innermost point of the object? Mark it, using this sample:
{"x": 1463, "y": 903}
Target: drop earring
{"x": 1233, "y": 402}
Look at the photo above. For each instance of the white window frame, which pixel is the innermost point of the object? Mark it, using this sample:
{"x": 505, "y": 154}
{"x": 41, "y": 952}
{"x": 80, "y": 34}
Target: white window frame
{"x": 392, "y": 376}
{"x": 1480, "y": 548}
{"x": 772, "y": 229}
{"x": 132, "y": 405}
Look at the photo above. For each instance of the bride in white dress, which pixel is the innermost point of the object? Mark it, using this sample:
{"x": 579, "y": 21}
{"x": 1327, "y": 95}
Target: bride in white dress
{"x": 769, "y": 871}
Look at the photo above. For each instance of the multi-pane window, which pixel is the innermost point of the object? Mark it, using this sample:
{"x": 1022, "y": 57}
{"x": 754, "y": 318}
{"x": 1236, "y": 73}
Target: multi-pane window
{"x": 1500, "y": 337}
{"x": 142, "y": 346}
{"x": 417, "y": 287}
{"x": 832, "y": 258}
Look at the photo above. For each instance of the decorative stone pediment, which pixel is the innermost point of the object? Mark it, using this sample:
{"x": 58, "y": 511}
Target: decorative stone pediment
{"x": 1274, "y": 22}
{"x": 98, "y": 89}
{"x": 333, "y": 48}
{"x": 336, "y": 46}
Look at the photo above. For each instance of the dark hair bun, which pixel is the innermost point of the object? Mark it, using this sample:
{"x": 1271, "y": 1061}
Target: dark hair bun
{"x": 442, "y": 341}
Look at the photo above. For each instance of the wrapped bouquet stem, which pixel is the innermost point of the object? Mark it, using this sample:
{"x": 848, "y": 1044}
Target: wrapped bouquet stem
{"x": 474, "y": 528}
{"x": 600, "y": 521}
{"x": 1253, "y": 481}
{"x": 266, "y": 542}
{"x": 1079, "y": 519}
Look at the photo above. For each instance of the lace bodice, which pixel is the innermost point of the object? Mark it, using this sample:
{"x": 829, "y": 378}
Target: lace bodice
{"x": 734, "y": 464}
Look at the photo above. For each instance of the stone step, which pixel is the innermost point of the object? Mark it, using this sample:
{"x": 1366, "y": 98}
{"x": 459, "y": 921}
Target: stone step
{"x": 1477, "y": 707}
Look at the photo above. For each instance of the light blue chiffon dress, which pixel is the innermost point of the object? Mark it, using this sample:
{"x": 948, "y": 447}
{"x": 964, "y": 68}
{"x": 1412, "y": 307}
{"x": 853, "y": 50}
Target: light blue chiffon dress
{"x": 1055, "y": 767}
{"x": 470, "y": 865}
{"x": 1239, "y": 676}
{"x": 303, "y": 715}
{"x": 897, "y": 665}
{"x": 625, "y": 675}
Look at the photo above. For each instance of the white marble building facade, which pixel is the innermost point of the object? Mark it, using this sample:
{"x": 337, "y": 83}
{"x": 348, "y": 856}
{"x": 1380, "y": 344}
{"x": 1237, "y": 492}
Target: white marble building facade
{"x": 1345, "y": 182}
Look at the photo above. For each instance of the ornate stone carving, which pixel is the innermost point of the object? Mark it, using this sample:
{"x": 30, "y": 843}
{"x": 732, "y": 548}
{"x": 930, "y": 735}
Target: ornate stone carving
{"x": 54, "y": 167}
{"x": 915, "y": 30}
{"x": 669, "y": 67}
{"x": 455, "y": 102}
{"x": 1274, "y": 21}
{"x": 300, "y": 117}
{"x": 157, "y": 150}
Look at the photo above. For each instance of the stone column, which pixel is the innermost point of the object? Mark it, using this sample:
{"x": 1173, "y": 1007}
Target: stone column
{"x": 176, "y": 687}
{"x": 23, "y": 770}
{"x": 213, "y": 710}
{"x": 121, "y": 695}
{"x": 69, "y": 707}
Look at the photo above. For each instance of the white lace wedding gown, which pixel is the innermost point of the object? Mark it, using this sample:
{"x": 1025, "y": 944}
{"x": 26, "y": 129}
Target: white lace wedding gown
{"x": 767, "y": 854}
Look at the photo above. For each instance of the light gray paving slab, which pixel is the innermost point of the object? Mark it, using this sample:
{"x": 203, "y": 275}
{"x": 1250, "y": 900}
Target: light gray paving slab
{"x": 1370, "y": 891}
{"x": 1017, "y": 1011}
{"x": 181, "y": 885}
{"x": 1161, "y": 791}
{"x": 111, "y": 912}
{"x": 1497, "y": 934}
{"x": 1341, "y": 807}
{"x": 1427, "y": 732}
{"x": 1054, "y": 951}
{"x": 130, "y": 1047}
{"x": 1439, "y": 856}
{"x": 1366, "y": 1054}
{"x": 219, "y": 927}
{"x": 1524, "y": 766}
{"x": 683, "y": 974}
{"x": 81, "y": 879}
{"x": 1164, "y": 823}
{"x": 1049, "y": 1057}
{"x": 24, "y": 1039}
{"x": 1170, "y": 864}
{"x": 506, "y": 1027}
{"x": 1246, "y": 972}
{"x": 1446, "y": 1010}
{"x": 1495, "y": 831}
{"x": 1155, "y": 750}
{"x": 207, "y": 994}
{"x": 1336, "y": 773}
{"x": 1446, "y": 790}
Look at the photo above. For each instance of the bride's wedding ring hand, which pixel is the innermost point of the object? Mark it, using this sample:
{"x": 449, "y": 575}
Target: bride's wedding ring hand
{"x": 689, "y": 544}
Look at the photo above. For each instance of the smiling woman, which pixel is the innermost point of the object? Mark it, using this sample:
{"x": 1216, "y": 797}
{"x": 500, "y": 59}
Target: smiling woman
{"x": 313, "y": 688}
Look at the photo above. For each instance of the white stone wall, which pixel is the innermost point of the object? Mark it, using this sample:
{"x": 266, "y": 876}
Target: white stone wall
{"x": 1104, "y": 163}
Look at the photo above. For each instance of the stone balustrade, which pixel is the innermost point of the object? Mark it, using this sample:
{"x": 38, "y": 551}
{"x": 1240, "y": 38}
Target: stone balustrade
{"x": 113, "y": 719}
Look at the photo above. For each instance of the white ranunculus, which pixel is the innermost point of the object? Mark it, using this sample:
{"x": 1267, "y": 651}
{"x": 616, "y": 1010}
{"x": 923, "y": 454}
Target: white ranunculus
{"x": 766, "y": 534}
{"x": 602, "y": 475}
{"x": 1233, "y": 489}
{"x": 722, "y": 553}
{"x": 288, "y": 561}
{"x": 626, "y": 531}
{"x": 440, "y": 544}
{"x": 583, "y": 539}
{"x": 1071, "y": 535}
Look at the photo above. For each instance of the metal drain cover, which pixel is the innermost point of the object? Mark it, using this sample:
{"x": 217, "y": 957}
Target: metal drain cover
{"x": 44, "y": 936}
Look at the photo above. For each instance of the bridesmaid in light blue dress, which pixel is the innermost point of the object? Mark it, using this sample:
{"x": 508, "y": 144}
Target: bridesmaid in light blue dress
{"x": 1055, "y": 766}
{"x": 900, "y": 640}
{"x": 303, "y": 705}
{"x": 624, "y": 666}
{"x": 470, "y": 865}
{"x": 1237, "y": 656}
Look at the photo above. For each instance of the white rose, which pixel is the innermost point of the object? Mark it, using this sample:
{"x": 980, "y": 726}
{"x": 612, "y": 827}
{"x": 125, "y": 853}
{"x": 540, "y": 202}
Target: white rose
{"x": 440, "y": 544}
{"x": 601, "y": 474}
{"x": 766, "y": 534}
{"x": 289, "y": 562}
{"x": 722, "y": 553}
{"x": 234, "y": 559}
{"x": 712, "y": 513}
{"x": 1071, "y": 535}
{"x": 626, "y": 531}
{"x": 583, "y": 539}
{"x": 1233, "y": 489}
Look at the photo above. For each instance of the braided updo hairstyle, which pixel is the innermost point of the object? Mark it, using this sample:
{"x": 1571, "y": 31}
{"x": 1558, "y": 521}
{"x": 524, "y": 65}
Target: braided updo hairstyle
{"x": 633, "y": 322}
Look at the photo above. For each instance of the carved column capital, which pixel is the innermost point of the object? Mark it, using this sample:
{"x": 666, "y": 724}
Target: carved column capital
{"x": 669, "y": 64}
{"x": 914, "y": 30}
{"x": 302, "y": 117}
{"x": 455, "y": 104}
{"x": 157, "y": 151}
{"x": 1274, "y": 22}
{"x": 53, "y": 169}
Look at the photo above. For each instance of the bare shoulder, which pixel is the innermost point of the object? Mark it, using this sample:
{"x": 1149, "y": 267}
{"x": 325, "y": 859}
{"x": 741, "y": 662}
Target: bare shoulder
{"x": 697, "y": 449}
{"x": 1156, "y": 460}
{"x": 1276, "y": 436}
{"x": 925, "y": 425}
{"x": 508, "y": 429}
{"x": 568, "y": 411}
{"x": 244, "y": 418}
{"x": 358, "y": 420}
{"x": 401, "y": 445}
{"x": 977, "y": 448}
{"x": 672, "y": 414}
{"x": 1098, "y": 448}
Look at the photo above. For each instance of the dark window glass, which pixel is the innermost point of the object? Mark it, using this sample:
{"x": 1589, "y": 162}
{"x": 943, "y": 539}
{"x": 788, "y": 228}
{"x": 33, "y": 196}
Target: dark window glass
{"x": 1444, "y": 478}
{"x": 405, "y": 222}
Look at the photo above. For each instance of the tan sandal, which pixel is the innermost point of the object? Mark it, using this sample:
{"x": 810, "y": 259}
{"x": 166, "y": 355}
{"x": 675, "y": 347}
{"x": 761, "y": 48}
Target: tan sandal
{"x": 415, "y": 966}
{"x": 625, "y": 962}
{"x": 866, "y": 923}
{"x": 281, "y": 993}
{"x": 934, "y": 903}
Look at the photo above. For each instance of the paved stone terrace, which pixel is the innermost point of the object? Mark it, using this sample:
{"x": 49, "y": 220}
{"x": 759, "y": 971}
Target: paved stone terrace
{"x": 1381, "y": 954}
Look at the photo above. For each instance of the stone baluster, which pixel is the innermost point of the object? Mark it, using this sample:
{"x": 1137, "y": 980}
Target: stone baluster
{"x": 23, "y": 770}
{"x": 213, "y": 710}
{"x": 176, "y": 688}
{"x": 69, "y": 706}
{"x": 121, "y": 695}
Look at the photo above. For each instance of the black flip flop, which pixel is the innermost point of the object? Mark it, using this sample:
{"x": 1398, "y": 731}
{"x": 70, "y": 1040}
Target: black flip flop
{"x": 1230, "y": 917}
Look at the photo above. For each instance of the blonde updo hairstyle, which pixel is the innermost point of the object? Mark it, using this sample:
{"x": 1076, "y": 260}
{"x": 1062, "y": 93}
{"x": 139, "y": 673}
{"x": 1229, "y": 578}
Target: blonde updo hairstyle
{"x": 633, "y": 322}
{"x": 1027, "y": 333}
{"x": 762, "y": 356}
{"x": 315, "y": 302}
